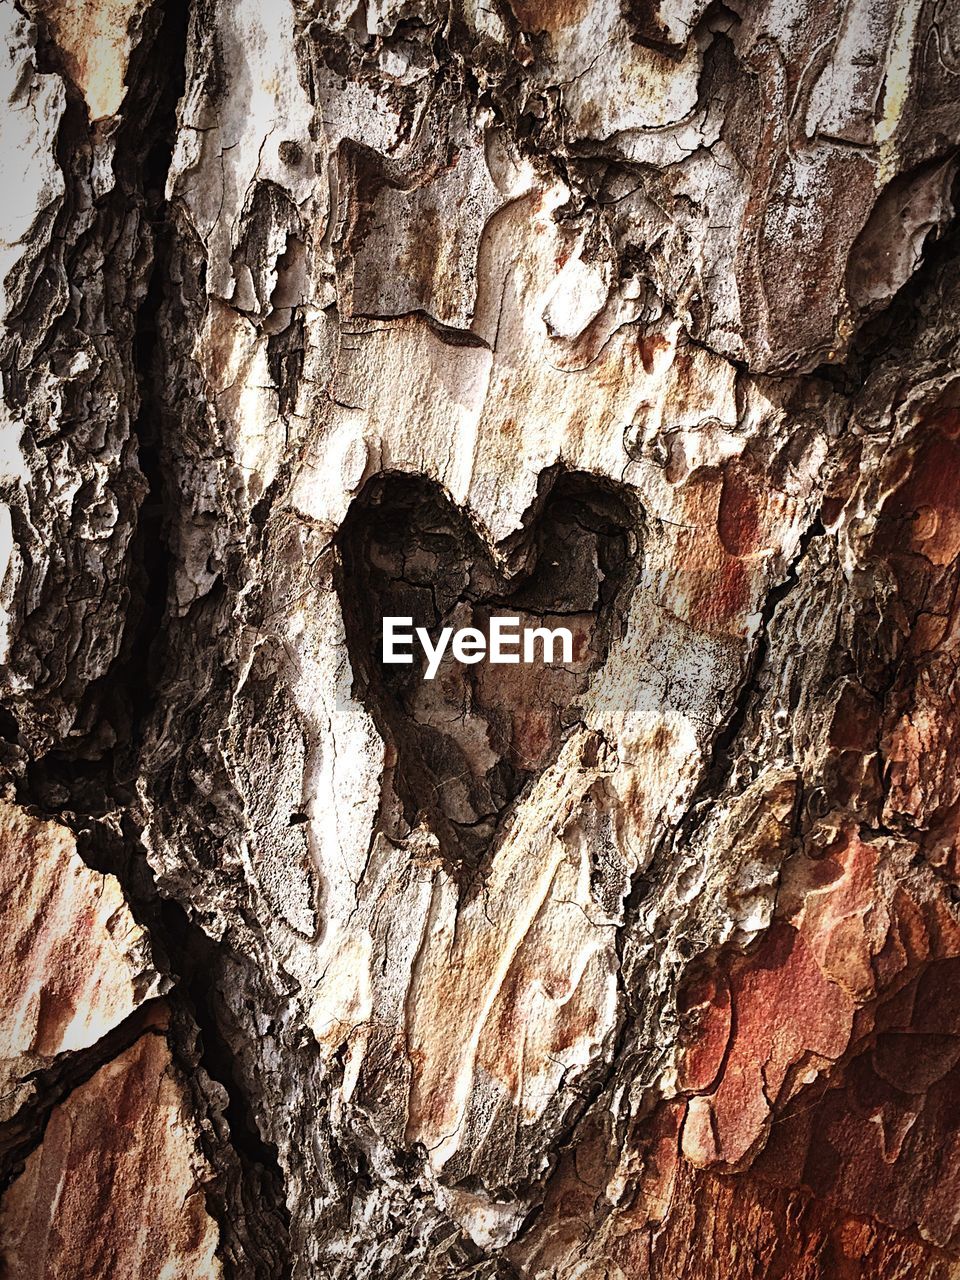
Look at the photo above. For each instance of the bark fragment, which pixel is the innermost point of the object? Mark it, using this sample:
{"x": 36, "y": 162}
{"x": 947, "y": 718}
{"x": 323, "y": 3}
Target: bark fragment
{"x": 75, "y": 963}
{"x": 132, "y": 1207}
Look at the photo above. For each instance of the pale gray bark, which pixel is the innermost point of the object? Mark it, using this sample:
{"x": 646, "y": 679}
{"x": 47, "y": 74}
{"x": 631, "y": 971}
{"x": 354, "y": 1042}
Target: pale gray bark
{"x": 643, "y": 319}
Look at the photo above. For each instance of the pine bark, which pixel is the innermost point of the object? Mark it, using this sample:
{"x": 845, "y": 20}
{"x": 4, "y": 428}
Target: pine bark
{"x": 639, "y": 319}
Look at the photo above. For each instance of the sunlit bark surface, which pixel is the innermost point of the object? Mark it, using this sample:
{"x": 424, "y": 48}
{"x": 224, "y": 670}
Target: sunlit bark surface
{"x": 635, "y": 318}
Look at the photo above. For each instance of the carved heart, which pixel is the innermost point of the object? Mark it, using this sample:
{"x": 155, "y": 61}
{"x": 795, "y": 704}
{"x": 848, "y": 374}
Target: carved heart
{"x": 468, "y": 742}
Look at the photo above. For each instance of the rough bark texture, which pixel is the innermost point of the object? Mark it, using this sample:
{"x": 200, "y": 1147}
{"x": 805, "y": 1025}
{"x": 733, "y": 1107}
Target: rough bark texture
{"x": 642, "y": 317}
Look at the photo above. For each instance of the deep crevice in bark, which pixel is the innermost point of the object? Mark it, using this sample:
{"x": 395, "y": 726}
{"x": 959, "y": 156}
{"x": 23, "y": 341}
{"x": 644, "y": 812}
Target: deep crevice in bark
{"x": 721, "y": 756}
{"x": 94, "y": 777}
{"x": 893, "y": 327}
{"x": 193, "y": 959}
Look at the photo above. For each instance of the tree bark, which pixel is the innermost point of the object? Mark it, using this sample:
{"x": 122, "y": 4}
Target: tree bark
{"x": 636, "y": 319}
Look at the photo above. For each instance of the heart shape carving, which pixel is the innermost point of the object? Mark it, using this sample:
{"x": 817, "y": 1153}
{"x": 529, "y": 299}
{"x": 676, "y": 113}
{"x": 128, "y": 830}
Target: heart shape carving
{"x": 468, "y": 742}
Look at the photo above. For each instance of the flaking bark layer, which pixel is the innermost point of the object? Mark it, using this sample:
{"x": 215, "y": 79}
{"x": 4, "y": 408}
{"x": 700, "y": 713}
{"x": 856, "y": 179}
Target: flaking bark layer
{"x": 642, "y": 318}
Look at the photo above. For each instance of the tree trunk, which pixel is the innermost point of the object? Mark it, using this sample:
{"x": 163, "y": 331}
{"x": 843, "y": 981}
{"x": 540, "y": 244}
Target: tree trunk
{"x": 639, "y": 321}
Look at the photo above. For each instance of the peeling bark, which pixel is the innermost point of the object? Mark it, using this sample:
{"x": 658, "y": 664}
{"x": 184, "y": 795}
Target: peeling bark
{"x": 641, "y": 319}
